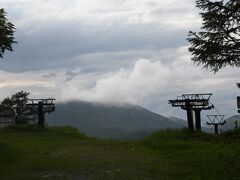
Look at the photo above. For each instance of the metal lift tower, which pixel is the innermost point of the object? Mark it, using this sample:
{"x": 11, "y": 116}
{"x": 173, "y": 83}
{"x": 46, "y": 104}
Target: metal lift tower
{"x": 41, "y": 107}
{"x": 193, "y": 102}
{"x": 238, "y": 99}
{"x": 238, "y": 103}
{"x": 215, "y": 120}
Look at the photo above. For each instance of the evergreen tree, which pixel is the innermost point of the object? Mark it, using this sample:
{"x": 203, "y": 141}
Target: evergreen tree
{"x": 218, "y": 43}
{"x": 7, "y": 30}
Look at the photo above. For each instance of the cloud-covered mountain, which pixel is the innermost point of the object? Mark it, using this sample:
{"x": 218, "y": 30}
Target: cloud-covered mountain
{"x": 112, "y": 121}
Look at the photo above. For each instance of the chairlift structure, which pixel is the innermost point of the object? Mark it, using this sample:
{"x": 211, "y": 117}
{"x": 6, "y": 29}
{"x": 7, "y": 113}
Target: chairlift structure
{"x": 193, "y": 102}
{"x": 41, "y": 107}
{"x": 238, "y": 85}
{"x": 238, "y": 99}
{"x": 216, "y": 121}
{"x": 238, "y": 103}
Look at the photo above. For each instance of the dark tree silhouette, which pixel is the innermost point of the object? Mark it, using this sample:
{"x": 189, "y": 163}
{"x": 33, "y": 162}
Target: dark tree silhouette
{"x": 218, "y": 43}
{"x": 7, "y": 30}
{"x": 17, "y": 101}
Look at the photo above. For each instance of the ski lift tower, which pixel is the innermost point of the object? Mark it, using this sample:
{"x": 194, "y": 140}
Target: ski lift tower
{"x": 215, "y": 120}
{"x": 238, "y": 99}
{"x": 238, "y": 103}
{"x": 193, "y": 102}
{"x": 41, "y": 107}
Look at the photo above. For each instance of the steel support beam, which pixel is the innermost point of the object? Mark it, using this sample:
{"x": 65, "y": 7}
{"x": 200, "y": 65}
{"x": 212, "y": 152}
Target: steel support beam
{"x": 41, "y": 116}
{"x": 189, "y": 116}
{"x": 198, "y": 119}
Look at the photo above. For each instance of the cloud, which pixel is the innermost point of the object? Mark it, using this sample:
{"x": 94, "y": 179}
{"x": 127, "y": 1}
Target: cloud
{"x": 104, "y": 12}
{"x": 147, "y": 78}
{"x": 58, "y": 33}
{"x": 149, "y": 81}
{"x": 48, "y": 49}
{"x": 125, "y": 86}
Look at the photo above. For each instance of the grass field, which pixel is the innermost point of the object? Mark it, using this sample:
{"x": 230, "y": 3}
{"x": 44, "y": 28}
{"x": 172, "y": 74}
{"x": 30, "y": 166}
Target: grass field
{"x": 64, "y": 153}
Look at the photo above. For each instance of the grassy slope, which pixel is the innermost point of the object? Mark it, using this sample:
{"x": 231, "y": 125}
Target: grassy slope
{"x": 64, "y": 153}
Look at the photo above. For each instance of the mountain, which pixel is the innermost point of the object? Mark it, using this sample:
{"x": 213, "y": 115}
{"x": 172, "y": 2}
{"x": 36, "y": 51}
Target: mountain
{"x": 230, "y": 122}
{"x": 184, "y": 123}
{"x": 112, "y": 121}
{"x": 178, "y": 120}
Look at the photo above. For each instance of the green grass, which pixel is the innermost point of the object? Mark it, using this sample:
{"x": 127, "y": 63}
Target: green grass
{"x": 64, "y": 153}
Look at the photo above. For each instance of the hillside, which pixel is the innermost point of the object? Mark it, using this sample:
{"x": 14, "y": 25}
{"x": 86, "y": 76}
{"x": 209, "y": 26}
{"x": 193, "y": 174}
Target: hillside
{"x": 109, "y": 121}
{"x": 230, "y": 122}
{"x": 63, "y": 153}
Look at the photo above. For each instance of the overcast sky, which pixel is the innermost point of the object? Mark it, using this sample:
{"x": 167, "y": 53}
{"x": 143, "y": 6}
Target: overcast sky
{"x": 112, "y": 51}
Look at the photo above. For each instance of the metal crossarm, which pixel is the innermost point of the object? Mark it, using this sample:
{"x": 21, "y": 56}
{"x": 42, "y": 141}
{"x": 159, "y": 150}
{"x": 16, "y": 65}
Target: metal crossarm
{"x": 204, "y": 96}
{"x": 194, "y": 103}
{"x": 200, "y": 107}
{"x": 215, "y": 119}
